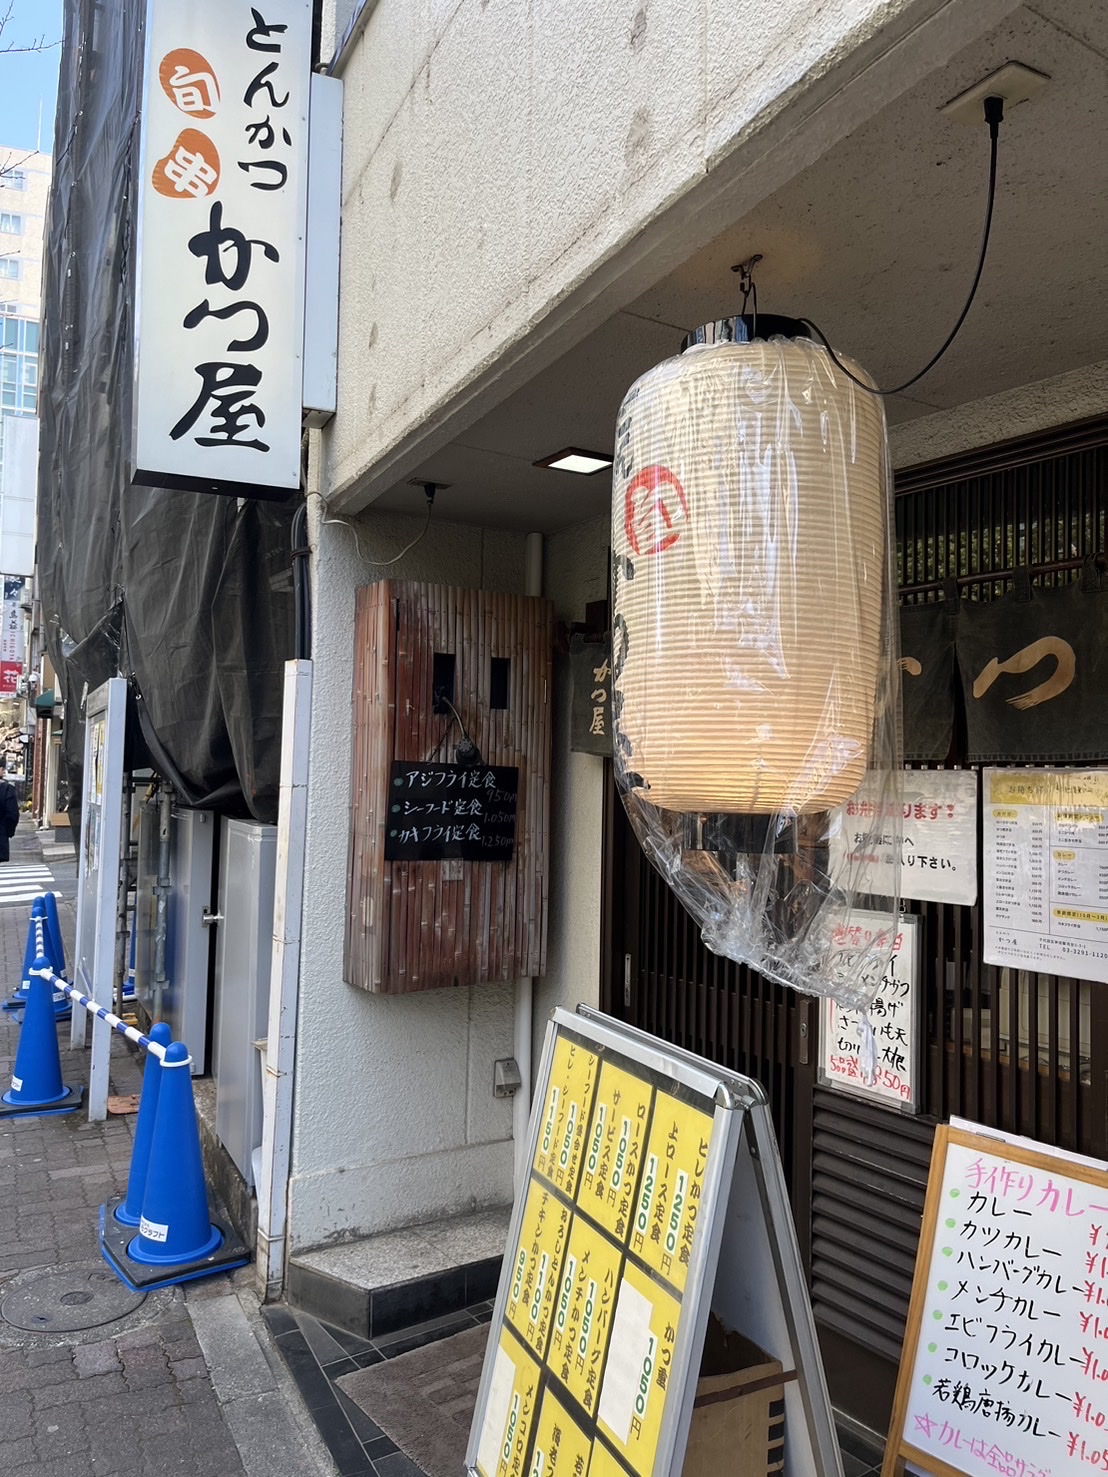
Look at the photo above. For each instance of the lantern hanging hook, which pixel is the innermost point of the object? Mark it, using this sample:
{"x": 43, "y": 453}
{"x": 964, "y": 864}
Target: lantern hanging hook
{"x": 747, "y": 286}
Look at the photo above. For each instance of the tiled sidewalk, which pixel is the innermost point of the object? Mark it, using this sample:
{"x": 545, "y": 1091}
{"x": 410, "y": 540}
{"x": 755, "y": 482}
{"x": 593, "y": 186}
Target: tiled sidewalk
{"x": 181, "y": 1385}
{"x": 318, "y": 1354}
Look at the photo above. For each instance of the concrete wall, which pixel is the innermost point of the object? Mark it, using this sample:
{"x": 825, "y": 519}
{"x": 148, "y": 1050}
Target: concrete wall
{"x": 515, "y": 171}
{"x": 394, "y": 1118}
{"x": 1024, "y": 411}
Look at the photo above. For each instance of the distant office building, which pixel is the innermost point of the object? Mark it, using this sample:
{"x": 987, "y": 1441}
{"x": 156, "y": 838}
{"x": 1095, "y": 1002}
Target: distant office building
{"x": 24, "y": 187}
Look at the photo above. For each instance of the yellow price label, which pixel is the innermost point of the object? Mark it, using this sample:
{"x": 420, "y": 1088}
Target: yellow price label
{"x": 1054, "y": 787}
{"x": 668, "y": 1202}
{"x": 613, "y": 1149}
{"x": 561, "y": 1447}
{"x": 637, "y": 1373}
{"x": 509, "y": 1411}
{"x": 603, "y": 1463}
{"x": 565, "y": 1114}
{"x": 1079, "y": 915}
{"x": 583, "y": 1312}
{"x": 537, "y": 1266}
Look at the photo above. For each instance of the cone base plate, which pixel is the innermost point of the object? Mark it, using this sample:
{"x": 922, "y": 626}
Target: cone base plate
{"x": 139, "y": 1277}
{"x": 68, "y": 1104}
{"x": 20, "y": 1010}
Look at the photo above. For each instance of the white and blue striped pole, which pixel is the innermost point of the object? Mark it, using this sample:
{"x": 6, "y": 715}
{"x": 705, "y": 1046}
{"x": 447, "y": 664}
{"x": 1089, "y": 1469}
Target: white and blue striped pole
{"x": 99, "y": 1011}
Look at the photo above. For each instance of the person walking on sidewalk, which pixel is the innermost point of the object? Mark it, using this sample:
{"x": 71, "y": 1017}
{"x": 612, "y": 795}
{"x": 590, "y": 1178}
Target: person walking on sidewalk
{"x": 9, "y": 813}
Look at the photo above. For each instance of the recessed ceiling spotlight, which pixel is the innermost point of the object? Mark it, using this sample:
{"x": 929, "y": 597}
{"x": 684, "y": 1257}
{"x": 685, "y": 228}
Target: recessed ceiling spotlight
{"x": 573, "y": 459}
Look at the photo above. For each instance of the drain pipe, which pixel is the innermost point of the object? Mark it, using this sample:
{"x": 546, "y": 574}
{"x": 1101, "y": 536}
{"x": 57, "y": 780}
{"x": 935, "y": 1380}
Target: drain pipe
{"x": 525, "y": 988}
{"x": 161, "y": 892}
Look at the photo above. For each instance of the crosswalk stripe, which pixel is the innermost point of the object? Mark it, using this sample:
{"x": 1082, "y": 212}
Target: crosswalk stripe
{"x": 23, "y": 883}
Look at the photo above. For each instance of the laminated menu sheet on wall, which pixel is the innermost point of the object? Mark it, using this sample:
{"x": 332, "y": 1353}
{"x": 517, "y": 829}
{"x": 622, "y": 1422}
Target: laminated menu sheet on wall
{"x": 1005, "y": 1360}
{"x": 1045, "y": 848}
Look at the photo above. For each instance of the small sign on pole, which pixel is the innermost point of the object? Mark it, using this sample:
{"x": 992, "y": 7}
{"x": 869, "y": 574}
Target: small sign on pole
{"x": 590, "y": 727}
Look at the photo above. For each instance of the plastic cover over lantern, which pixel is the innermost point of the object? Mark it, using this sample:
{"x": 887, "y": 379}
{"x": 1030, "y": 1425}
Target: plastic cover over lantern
{"x": 754, "y": 651}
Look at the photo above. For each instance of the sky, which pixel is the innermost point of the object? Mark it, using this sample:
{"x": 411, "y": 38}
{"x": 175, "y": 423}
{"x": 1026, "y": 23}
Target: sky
{"x": 27, "y": 77}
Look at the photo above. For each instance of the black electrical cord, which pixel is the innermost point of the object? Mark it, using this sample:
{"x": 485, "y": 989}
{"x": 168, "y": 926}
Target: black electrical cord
{"x": 302, "y": 592}
{"x": 994, "y": 115}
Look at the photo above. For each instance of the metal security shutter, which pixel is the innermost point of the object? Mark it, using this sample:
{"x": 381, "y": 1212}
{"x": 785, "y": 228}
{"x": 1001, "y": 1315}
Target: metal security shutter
{"x": 869, "y": 1174}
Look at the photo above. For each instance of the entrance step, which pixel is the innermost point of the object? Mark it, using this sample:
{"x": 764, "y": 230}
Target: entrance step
{"x": 383, "y": 1283}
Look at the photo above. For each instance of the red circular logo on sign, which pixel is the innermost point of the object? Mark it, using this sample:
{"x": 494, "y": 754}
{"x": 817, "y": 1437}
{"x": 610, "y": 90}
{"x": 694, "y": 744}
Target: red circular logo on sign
{"x": 655, "y": 508}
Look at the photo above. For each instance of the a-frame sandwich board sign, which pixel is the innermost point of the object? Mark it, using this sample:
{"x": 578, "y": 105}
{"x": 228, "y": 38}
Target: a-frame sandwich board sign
{"x": 654, "y": 1196}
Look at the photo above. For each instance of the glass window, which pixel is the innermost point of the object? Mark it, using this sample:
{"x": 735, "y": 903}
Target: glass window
{"x": 12, "y": 224}
{"x": 30, "y": 396}
{"x": 31, "y": 338}
{"x": 7, "y": 369}
{"x": 15, "y": 179}
{"x": 10, "y": 333}
{"x": 9, "y": 266}
{"x": 30, "y": 371}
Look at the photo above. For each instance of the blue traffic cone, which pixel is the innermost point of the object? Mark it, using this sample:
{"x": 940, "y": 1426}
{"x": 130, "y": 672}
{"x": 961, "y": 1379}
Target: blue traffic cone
{"x": 56, "y": 951}
{"x": 129, "y": 1211}
{"x": 37, "y": 1088}
{"x": 178, "y": 1238}
{"x": 129, "y": 981}
{"x": 18, "y": 999}
{"x": 175, "y": 1225}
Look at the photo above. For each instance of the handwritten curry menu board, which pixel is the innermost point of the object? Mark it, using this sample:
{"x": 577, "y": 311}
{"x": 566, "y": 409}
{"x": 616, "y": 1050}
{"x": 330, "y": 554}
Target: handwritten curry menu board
{"x": 1005, "y": 1362}
{"x": 587, "y": 1350}
{"x": 438, "y": 812}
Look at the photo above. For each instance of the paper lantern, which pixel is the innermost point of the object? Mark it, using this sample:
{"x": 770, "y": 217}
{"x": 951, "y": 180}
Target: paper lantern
{"x": 750, "y": 537}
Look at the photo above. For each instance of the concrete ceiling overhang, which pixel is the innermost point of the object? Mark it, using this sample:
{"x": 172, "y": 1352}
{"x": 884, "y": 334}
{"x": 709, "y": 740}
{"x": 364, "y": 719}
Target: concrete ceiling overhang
{"x": 877, "y": 243}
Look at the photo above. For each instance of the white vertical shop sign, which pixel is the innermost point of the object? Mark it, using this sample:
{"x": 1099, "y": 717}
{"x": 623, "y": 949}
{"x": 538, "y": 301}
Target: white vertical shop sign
{"x": 12, "y": 644}
{"x": 219, "y": 324}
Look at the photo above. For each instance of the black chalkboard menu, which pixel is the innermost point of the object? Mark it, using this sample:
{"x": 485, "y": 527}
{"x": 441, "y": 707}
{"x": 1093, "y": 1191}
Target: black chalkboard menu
{"x": 441, "y": 811}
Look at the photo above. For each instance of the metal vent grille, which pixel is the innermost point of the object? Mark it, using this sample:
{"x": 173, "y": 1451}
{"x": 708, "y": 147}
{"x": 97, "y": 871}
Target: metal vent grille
{"x": 869, "y": 1174}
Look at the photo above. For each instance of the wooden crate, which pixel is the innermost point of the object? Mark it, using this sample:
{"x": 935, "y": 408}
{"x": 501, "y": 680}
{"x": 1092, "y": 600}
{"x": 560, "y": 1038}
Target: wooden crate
{"x": 738, "y": 1421}
{"x": 422, "y": 925}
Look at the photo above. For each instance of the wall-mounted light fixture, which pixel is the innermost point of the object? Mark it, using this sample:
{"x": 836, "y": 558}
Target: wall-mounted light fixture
{"x": 573, "y": 459}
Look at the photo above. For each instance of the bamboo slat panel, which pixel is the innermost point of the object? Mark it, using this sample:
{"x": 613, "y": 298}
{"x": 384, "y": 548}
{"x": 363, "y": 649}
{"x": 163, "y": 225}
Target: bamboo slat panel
{"x": 423, "y": 925}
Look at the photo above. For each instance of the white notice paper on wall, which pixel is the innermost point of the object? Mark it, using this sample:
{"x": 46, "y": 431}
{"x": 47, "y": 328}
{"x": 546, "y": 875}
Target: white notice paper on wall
{"x": 936, "y": 811}
{"x": 895, "y": 1019}
{"x": 1045, "y": 846}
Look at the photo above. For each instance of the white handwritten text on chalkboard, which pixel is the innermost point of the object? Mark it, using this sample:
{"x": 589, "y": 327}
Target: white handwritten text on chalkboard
{"x": 440, "y": 811}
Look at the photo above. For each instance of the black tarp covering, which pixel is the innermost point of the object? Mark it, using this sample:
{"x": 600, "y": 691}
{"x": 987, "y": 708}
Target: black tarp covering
{"x": 187, "y": 594}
